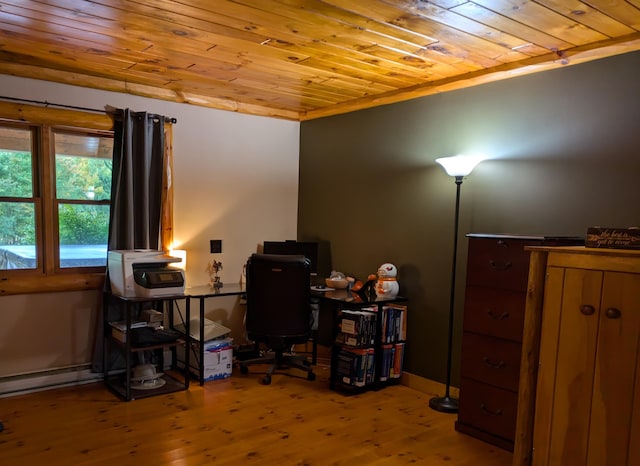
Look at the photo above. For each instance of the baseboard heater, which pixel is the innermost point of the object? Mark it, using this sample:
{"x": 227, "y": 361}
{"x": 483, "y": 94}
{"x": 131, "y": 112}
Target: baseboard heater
{"x": 46, "y": 380}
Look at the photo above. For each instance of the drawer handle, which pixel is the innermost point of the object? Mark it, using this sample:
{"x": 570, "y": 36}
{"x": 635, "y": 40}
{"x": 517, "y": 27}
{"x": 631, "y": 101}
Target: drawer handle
{"x": 587, "y": 309}
{"x": 613, "y": 313}
{"x": 495, "y": 365}
{"x": 493, "y": 265}
{"x": 495, "y": 316}
{"x": 488, "y": 412}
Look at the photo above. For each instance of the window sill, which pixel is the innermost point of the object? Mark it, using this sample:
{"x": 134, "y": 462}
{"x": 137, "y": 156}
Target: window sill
{"x": 50, "y": 284}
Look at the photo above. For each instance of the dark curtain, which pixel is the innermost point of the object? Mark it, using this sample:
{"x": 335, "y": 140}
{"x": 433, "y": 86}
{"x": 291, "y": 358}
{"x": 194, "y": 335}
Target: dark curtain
{"x": 136, "y": 195}
{"x": 136, "y": 190}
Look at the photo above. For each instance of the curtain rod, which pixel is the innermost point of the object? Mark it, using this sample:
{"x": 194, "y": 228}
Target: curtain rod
{"x": 73, "y": 107}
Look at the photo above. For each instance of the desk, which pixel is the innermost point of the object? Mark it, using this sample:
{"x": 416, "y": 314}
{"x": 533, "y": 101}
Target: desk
{"x": 345, "y": 299}
{"x": 351, "y": 298}
{"x": 202, "y": 293}
{"x": 337, "y": 297}
{"x": 234, "y": 289}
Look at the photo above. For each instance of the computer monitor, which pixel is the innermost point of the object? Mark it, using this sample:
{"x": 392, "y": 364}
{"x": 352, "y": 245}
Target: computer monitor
{"x": 308, "y": 249}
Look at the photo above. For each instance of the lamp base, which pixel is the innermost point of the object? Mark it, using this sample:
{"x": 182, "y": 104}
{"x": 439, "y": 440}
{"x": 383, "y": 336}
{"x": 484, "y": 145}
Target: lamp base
{"x": 444, "y": 404}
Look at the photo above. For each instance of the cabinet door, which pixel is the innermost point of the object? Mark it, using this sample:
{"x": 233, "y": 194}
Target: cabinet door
{"x": 587, "y": 393}
{"x": 616, "y": 373}
{"x": 567, "y": 364}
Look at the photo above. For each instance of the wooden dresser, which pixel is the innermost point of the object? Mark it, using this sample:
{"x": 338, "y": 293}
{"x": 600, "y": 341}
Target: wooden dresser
{"x": 497, "y": 272}
{"x": 580, "y": 378}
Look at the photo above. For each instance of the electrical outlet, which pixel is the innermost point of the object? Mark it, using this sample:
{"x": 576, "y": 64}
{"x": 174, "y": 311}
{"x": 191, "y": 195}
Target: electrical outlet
{"x": 215, "y": 246}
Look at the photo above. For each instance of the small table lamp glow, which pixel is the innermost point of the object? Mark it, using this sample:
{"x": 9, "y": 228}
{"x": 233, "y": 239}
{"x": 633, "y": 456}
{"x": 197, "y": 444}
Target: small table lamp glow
{"x": 458, "y": 166}
{"x": 182, "y": 254}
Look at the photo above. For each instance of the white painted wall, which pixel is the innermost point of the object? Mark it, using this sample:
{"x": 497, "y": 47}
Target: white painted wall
{"x": 235, "y": 179}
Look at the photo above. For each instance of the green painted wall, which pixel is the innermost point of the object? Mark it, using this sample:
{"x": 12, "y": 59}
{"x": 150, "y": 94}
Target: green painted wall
{"x": 565, "y": 155}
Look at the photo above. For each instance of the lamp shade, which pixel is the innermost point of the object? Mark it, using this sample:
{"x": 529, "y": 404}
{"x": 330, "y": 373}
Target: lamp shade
{"x": 460, "y": 165}
{"x": 182, "y": 254}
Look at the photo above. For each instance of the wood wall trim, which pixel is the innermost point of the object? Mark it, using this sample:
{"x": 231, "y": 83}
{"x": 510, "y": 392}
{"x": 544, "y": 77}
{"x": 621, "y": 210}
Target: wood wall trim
{"x": 426, "y": 386}
{"x": 55, "y": 116}
{"x": 17, "y": 284}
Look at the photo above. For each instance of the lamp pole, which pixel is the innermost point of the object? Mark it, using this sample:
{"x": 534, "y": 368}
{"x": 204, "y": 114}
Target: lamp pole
{"x": 457, "y": 166}
{"x": 446, "y": 403}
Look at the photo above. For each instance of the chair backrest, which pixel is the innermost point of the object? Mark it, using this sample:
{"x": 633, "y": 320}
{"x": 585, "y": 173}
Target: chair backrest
{"x": 278, "y": 298}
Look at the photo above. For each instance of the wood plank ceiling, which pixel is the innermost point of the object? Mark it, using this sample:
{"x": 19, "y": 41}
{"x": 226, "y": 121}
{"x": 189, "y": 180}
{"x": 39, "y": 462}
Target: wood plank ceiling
{"x": 304, "y": 59}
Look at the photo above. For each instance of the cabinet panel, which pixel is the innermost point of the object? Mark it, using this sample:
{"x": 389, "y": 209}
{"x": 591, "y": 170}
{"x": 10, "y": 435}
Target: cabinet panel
{"x": 546, "y": 375}
{"x": 495, "y": 312}
{"x": 491, "y": 360}
{"x": 634, "y": 431}
{"x": 488, "y": 408}
{"x": 615, "y": 371}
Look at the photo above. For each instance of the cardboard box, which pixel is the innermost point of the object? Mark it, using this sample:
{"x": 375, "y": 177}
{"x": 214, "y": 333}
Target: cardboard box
{"x": 119, "y": 335}
{"x": 212, "y": 330}
{"x": 119, "y": 329}
{"x": 218, "y": 359}
{"x": 151, "y": 315}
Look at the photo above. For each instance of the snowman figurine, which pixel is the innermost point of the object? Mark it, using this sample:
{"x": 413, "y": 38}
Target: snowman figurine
{"x": 387, "y": 285}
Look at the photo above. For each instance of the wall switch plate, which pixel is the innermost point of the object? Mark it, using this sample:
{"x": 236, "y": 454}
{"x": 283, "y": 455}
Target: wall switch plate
{"x": 215, "y": 246}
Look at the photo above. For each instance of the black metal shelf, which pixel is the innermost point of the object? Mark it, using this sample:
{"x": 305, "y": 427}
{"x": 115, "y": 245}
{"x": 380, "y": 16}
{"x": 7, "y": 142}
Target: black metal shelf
{"x": 118, "y": 379}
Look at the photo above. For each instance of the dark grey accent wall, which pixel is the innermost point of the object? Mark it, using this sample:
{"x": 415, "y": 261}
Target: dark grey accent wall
{"x": 565, "y": 155}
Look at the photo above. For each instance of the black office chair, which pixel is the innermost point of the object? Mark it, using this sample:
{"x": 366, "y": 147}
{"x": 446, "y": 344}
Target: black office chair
{"x": 278, "y": 311}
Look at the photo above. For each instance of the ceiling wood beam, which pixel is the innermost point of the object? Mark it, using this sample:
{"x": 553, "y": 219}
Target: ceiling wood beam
{"x": 546, "y": 62}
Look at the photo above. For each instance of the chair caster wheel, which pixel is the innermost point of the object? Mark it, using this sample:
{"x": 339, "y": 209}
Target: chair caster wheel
{"x": 266, "y": 380}
{"x": 311, "y": 376}
{"x": 244, "y": 370}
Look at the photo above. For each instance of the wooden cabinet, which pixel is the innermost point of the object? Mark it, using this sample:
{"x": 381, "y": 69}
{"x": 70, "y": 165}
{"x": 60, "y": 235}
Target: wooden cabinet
{"x": 586, "y": 409}
{"x": 497, "y": 271}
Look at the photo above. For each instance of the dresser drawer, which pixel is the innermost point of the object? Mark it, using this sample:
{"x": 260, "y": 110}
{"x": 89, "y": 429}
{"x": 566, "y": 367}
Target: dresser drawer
{"x": 495, "y": 312}
{"x": 486, "y": 408}
{"x": 491, "y": 360}
{"x": 498, "y": 263}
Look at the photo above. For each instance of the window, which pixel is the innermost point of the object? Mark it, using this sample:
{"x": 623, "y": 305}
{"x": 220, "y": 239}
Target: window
{"x": 55, "y": 186}
{"x": 83, "y": 188}
{"x": 17, "y": 206}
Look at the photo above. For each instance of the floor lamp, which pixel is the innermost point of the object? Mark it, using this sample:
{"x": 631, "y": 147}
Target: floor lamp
{"x": 458, "y": 166}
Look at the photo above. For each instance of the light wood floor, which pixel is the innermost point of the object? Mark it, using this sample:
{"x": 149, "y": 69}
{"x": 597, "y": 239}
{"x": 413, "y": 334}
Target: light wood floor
{"x": 236, "y": 421}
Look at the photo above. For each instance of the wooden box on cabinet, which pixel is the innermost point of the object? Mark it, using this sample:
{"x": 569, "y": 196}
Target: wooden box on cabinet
{"x": 495, "y": 295}
{"x": 580, "y": 378}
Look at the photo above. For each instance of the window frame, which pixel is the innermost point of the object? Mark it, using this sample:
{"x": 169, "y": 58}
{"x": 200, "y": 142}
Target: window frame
{"x": 48, "y": 276}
